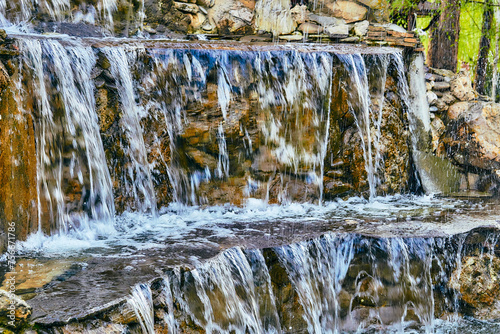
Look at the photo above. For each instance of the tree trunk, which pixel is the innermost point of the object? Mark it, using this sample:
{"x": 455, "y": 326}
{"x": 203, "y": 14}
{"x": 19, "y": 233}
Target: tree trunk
{"x": 494, "y": 77}
{"x": 484, "y": 48}
{"x": 443, "y": 49}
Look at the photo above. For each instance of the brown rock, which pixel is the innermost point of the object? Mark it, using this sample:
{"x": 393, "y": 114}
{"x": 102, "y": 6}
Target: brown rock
{"x": 475, "y": 136}
{"x": 300, "y": 13}
{"x": 457, "y": 110}
{"x": 310, "y": 28}
{"x": 448, "y": 98}
{"x": 374, "y": 4}
{"x": 479, "y": 284}
{"x": 461, "y": 88}
{"x": 347, "y": 10}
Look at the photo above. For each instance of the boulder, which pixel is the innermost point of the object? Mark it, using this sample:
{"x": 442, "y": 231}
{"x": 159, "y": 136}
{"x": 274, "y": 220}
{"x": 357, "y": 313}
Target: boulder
{"x": 361, "y": 28}
{"x": 474, "y": 134}
{"x": 274, "y": 16}
{"x": 461, "y": 88}
{"x": 310, "y": 28}
{"x": 231, "y": 16}
{"x": 347, "y": 10}
{"x": 300, "y": 13}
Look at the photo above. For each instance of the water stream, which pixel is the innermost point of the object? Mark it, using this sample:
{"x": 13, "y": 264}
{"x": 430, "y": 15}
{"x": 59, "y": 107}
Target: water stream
{"x": 239, "y": 189}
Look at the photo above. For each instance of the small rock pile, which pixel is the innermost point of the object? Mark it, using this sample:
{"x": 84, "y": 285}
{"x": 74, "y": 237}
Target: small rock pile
{"x": 465, "y": 128}
{"x": 262, "y": 21}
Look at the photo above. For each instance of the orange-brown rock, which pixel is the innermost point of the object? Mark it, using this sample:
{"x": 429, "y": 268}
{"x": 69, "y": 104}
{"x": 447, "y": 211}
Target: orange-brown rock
{"x": 18, "y": 190}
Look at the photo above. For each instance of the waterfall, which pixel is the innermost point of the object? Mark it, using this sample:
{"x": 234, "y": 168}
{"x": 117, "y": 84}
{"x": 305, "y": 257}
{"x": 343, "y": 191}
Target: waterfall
{"x": 137, "y": 179}
{"x": 368, "y": 117}
{"x": 67, "y": 131}
{"x": 141, "y": 301}
{"x": 436, "y": 175}
{"x": 15, "y": 12}
{"x": 318, "y": 279}
{"x": 231, "y": 293}
{"x": 334, "y": 283}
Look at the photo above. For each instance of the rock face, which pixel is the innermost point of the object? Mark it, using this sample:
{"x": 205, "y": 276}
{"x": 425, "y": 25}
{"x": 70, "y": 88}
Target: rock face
{"x": 479, "y": 285}
{"x": 18, "y": 165}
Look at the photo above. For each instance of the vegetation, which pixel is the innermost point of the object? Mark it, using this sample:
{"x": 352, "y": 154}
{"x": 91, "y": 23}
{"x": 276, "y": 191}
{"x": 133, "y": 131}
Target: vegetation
{"x": 458, "y": 35}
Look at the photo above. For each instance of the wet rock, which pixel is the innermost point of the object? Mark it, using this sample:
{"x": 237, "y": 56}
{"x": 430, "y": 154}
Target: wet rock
{"x": 475, "y": 133}
{"x": 14, "y": 312}
{"x": 347, "y": 10}
{"x": 479, "y": 284}
{"x": 438, "y": 128}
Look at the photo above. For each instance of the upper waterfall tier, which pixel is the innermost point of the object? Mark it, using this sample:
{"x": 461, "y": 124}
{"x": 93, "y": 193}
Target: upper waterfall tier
{"x": 130, "y": 125}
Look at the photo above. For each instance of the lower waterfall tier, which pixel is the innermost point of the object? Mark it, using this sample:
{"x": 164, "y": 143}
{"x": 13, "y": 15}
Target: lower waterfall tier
{"x": 229, "y": 271}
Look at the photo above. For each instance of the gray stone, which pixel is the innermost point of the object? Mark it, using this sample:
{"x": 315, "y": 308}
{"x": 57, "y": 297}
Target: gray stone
{"x": 186, "y": 7}
{"x": 441, "y": 85}
{"x": 340, "y": 30}
{"x": 325, "y": 20}
{"x": 431, "y": 98}
{"x": 361, "y": 28}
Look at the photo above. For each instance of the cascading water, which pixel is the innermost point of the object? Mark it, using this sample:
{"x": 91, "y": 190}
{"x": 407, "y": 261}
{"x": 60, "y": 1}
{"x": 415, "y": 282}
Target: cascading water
{"x": 137, "y": 179}
{"x": 125, "y": 132}
{"x": 67, "y": 131}
{"x": 22, "y": 11}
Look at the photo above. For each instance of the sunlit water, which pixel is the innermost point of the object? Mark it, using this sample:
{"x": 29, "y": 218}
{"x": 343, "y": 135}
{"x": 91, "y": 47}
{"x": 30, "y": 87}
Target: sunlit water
{"x": 406, "y": 216}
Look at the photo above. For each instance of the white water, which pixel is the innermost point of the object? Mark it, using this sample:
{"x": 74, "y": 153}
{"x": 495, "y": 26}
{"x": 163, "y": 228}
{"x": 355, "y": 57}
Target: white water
{"x": 71, "y": 68}
{"x": 141, "y": 301}
{"x": 20, "y": 12}
{"x": 138, "y": 182}
{"x": 233, "y": 292}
